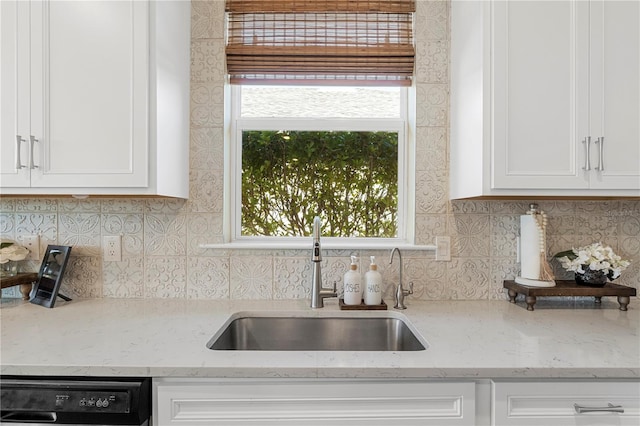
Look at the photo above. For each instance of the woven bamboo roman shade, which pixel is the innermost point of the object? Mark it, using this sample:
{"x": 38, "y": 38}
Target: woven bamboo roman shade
{"x": 355, "y": 42}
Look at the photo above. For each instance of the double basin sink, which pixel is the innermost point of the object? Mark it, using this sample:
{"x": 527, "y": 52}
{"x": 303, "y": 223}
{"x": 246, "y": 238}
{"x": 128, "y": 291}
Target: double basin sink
{"x": 264, "y": 332}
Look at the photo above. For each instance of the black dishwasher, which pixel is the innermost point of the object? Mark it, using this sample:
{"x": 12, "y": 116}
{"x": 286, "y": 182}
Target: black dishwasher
{"x": 30, "y": 400}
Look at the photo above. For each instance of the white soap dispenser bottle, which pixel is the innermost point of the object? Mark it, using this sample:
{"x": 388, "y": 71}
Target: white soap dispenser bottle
{"x": 352, "y": 284}
{"x": 373, "y": 284}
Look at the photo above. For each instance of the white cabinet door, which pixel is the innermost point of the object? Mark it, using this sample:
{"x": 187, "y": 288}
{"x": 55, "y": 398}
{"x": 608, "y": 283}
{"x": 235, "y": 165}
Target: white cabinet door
{"x": 535, "y": 87}
{"x": 14, "y": 94}
{"x": 99, "y": 92}
{"x": 615, "y": 94}
{"x": 89, "y": 93}
{"x": 540, "y": 77}
{"x": 554, "y": 403}
{"x": 312, "y": 402}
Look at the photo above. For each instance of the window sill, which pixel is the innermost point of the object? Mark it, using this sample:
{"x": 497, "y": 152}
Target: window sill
{"x": 326, "y": 245}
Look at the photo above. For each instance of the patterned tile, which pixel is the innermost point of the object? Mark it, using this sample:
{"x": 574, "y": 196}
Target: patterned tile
{"x": 468, "y": 279}
{"x": 432, "y": 193}
{"x": 207, "y": 19}
{"x": 469, "y": 207}
{"x": 207, "y": 149}
{"x": 165, "y": 277}
{"x": 122, "y": 205}
{"x": 164, "y": 205}
{"x": 7, "y": 226}
{"x": 203, "y": 228}
{"x": 7, "y": 205}
{"x": 432, "y": 105}
{"x": 206, "y": 191}
{"x": 432, "y": 61}
{"x": 130, "y": 227}
{"x": 206, "y": 105}
{"x": 504, "y": 233}
{"x": 36, "y": 205}
{"x": 429, "y": 226}
{"x": 292, "y": 278}
{"x": 431, "y": 149}
{"x": 509, "y": 207}
{"x": 74, "y": 205}
{"x": 437, "y": 19}
{"x": 436, "y": 282}
{"x": 82, "y": 231}
{"x": 251, "y": 277}
{"x": 82, "y": 277}
{"x": 470, "y": 235}
{"x": 501, "y": 270}
{"x": 208, "y": 278}
{"x": 207, "y": 61}
{"x": 124, "y": 279}
{"x": 165, "y": 234}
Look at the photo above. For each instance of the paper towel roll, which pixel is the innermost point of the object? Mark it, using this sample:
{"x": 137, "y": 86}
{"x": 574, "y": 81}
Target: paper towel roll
{"x": 529, "y": 248}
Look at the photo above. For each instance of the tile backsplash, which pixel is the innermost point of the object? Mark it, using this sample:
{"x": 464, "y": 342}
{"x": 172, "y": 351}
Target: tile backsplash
{"x": 161, "y": 237}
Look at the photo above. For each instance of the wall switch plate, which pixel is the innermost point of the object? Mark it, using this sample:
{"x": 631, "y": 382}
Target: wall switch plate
{"x": 32, "y": 242}
{"x": 112, "y": 246}
{"x": 443, "y": 249}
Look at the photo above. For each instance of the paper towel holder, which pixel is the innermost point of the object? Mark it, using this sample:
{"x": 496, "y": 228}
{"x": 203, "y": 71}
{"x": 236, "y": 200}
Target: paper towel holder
{"x": 534, "y": 269}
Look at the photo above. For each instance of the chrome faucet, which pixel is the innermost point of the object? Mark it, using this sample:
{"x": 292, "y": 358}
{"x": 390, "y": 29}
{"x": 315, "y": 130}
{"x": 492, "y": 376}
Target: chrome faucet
{"x": 401, "y": 292}
{"x": 318, "y": 293}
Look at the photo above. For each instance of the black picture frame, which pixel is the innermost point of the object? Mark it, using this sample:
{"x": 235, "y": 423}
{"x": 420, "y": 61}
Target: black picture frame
{"x": 47, "y": 287}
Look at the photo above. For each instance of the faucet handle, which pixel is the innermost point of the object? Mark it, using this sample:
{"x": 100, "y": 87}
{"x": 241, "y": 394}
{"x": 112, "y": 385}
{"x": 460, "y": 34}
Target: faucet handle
{"x": 410, "y": 288}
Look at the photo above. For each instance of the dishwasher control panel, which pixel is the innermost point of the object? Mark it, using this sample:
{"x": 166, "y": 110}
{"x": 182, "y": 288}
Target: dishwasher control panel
{"x": 75, "y": 400}
{"x": 65, "y": 400}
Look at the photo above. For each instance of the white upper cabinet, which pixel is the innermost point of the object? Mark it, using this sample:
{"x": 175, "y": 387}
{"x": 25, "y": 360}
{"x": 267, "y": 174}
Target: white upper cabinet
{"x": 615, "y": 94}
{"x": 545, "y": 98}
{"x": 84, "y": 83}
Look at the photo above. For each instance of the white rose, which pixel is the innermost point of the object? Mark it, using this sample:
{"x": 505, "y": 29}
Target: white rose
{"x": 13, "y": 252}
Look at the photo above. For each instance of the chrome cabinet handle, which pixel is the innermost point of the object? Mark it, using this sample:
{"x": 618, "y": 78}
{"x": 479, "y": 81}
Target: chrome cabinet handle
{"x": 587, "y": 153}
{"x": 600, "y": 142}
{"x": 610, "y": 408}
{"x": 19, "y": 164}
{"x": 33, "y": 140}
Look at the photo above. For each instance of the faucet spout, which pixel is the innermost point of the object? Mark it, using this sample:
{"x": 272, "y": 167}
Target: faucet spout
{"x": 318, "y": 293}
{"x": 401, "y": 292}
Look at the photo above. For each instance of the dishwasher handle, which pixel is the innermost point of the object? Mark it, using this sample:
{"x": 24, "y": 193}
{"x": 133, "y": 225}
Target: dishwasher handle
{"x": 28, "y": 417}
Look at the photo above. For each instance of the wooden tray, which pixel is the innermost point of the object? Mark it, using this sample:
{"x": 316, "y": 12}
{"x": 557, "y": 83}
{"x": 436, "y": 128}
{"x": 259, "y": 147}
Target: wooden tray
{"x": 570, "y": 288}
{"x": 362, "y": 307}
{"x": 23, "y": 279}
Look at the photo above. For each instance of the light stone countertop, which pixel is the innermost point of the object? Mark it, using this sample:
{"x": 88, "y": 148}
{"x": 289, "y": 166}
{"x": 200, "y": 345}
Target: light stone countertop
{"x": 467, "y": 339}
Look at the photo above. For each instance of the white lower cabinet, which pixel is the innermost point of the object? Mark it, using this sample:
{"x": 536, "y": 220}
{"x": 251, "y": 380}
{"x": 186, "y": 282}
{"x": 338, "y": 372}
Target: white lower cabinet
{"x": 560, "y": 403}
{"x": 312, "y": 402}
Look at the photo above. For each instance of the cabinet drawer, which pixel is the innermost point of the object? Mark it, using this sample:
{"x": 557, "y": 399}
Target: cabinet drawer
{"x": 312, "y": 402}
{"x": 554, "y": 403}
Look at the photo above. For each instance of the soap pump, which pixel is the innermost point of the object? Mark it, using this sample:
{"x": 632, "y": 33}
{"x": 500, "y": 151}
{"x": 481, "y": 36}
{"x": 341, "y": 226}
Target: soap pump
{"x": 352, "y": 284}
{"x": 373, "y": 284}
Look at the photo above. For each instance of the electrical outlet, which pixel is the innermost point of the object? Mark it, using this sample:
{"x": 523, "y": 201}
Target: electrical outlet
{"x": 443, "y": 249}
{"x": 32, "y": 242}
{"x": 112, "y": 245}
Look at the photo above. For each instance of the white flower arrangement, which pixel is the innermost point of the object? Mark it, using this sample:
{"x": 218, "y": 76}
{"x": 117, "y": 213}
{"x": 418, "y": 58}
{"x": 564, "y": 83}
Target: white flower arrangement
{"x": 594, "y": 257}
{"x": 12, "y": 251}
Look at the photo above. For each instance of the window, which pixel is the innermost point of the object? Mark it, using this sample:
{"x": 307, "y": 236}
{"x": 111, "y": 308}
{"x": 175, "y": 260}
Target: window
{"x": 318, "y": 122}
{"x": 336, "y": 152}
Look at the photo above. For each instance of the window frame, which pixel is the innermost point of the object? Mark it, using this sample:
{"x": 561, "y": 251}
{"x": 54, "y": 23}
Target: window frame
{"x": 236, "y": 124}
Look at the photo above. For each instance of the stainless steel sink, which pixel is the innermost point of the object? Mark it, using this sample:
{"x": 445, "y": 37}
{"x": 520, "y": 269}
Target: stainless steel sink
{"x": 267, "y": 333}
